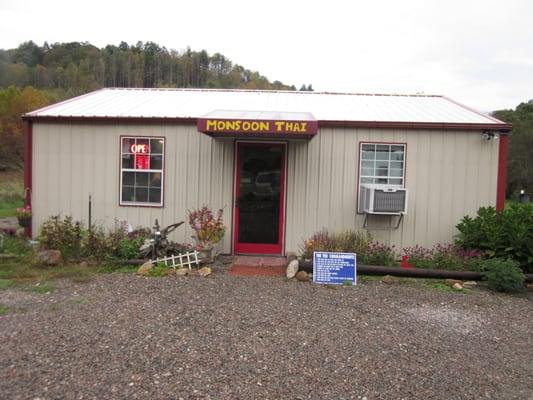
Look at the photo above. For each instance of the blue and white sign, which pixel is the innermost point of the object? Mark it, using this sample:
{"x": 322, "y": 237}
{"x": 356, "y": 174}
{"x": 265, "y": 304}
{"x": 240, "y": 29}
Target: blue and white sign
{"x": 334, "y": 268}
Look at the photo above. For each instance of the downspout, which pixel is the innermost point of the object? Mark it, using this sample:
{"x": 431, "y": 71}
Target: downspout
{"x": 28, "y": 170}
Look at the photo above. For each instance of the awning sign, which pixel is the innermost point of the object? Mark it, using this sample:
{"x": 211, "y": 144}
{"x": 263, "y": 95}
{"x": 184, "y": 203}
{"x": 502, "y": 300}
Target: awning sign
{"x": 244, "y": 127}
{"x": 334, "y": 268}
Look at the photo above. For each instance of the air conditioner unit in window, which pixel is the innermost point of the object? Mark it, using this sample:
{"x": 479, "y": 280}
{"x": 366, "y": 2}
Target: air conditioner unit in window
{"x": 380, "y": 199}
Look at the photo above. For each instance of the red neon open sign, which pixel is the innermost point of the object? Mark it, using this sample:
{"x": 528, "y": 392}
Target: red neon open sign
{"x": 139, "y": 149}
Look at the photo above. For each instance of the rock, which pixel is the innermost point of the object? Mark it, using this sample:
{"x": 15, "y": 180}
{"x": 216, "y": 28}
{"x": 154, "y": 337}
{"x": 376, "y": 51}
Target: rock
{"x": 204, "y": 271}
{"x": 84, "y": 264}
{"x": 292, "y": 269}
{"x": 469, "y": 284}
{"x": 181, "y": 271}
{"x": 388, "y": 279}
{"x": 291, "y": 255}
{"x": 145, "y": 268}
{"x": 457, "y": 286}
{"x": 49, "y": 257}
{"x": 451, "y": 282}
{"x": 302, "y": 276}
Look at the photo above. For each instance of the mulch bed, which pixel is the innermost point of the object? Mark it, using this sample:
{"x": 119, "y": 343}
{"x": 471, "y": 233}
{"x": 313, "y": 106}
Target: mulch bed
{"x": 120, "y": 336}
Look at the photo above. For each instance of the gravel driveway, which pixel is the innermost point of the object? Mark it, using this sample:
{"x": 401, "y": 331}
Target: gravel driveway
{"x": 125, "y": 337}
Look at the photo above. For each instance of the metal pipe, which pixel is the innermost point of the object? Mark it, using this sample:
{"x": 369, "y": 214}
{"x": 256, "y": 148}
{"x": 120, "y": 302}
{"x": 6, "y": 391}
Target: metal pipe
{"x": 411, "y": 272}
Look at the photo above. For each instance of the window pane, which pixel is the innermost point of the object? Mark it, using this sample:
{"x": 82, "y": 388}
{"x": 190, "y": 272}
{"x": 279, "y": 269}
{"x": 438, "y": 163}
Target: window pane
{"x": 155, "y": 196}
{"x": 382, "y": 153}
{"x": 127, "y": 161}
{"x": 382, "y": 181}
{"x": 141, "y": 195}
{"x": 367, "y": 164}
{"x": 127, "y": 193}
{"x": 369, "y": 147}
{"x": 382, "y": 164}
{"x": 396, "y": 164}
{"x": 382, "y": 172}
{"x": 156, "y": 146}
{"x": 395, "y": 181}
{"x": 126, "y": 144}
{"x": 397, "y": 154}
{"x": 144, "y": 142}
{"x": 396, "y": 172}
{"x": 155, "y": 180}
{"x": 367, "y": 180}
{"x": 141, "y": 179}
{"x": 128, "y": 178}
{"x": 156, "y": 162}
{"x": 367, "y": 172}
{"x": 369, "y": 155}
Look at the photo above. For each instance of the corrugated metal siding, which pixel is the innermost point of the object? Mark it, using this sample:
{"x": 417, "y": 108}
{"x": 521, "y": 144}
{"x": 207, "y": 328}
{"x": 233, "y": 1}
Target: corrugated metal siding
{"x": 448, "y": 175}
{"x": 72, "y": 161}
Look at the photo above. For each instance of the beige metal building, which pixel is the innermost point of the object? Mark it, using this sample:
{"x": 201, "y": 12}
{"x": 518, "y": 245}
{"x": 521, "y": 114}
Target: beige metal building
{"x": 282, "y": 165}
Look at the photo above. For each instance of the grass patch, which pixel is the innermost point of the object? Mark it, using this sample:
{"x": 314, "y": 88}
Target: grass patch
{"x": 122, "y": 269}
{"x": 15, "y": 246}
{"x": 6, "y": 283}
{"x": 11, "y": 193}
{"x": 43, "y": 288}
{"x": 4, "y": 310}
{"x": 158, "y": 271}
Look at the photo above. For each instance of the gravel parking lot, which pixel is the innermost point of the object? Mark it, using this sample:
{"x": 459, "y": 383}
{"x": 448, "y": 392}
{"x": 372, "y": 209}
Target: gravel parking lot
{"x": 122, "y": 336}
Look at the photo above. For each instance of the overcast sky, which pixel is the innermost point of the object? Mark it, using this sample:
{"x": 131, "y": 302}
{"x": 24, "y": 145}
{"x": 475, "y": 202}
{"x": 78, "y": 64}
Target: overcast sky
{"x": 477, "y": 52}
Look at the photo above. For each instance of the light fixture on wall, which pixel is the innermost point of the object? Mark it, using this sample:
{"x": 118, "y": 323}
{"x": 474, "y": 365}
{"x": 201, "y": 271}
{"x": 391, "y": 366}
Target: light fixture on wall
{"x": 489, "y": 136}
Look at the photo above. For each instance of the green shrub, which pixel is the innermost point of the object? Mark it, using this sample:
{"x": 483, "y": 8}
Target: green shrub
{"x": 75, "y": 242}
{"x": 507, "y": 234}
{"x": 503, "y": 275}
{"x": 13, "y": 245}
{"x": 63, "y": 235}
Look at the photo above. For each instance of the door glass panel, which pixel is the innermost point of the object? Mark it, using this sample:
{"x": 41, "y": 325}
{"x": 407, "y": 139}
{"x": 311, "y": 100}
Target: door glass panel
{"x": 259, "y": 193}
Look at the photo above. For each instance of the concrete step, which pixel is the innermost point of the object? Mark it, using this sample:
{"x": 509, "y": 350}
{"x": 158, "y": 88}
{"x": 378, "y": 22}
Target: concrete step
{"x": 258, "y": 266}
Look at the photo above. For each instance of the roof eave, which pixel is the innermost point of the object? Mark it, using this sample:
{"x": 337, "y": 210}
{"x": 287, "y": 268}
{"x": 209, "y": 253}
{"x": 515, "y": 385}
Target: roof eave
{"x": 496, "y": 127}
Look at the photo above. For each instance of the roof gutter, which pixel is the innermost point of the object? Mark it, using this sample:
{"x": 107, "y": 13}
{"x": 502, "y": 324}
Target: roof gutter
{"x": 493, "y": 127}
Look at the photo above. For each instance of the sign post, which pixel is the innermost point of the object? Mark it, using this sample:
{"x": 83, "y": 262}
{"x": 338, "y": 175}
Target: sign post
{"x": 334, "y": 268}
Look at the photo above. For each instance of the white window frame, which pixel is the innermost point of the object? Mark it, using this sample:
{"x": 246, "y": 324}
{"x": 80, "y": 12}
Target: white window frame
{"x": 161, "y": 171}
{"x": 388, "y": 176}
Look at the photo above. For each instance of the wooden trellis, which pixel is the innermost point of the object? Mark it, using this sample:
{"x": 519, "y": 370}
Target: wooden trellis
{"x": 180, "y": 260}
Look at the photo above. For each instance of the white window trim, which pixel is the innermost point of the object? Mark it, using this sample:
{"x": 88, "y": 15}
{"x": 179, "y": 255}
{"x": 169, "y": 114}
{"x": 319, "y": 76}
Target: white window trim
{"x": 383, "y": 185}
{"x": 162, "y": 171}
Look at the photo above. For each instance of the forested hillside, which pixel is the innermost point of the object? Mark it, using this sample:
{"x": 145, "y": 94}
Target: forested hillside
{"x": 81, "y": 67}
{"x": 33, "y": 76}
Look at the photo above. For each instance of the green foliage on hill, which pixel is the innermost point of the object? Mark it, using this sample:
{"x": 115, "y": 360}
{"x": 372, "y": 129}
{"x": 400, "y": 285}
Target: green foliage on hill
{"x": 33, "y": 76}
{"x": 82, "y": 67}
{"x": 520, "y": 161}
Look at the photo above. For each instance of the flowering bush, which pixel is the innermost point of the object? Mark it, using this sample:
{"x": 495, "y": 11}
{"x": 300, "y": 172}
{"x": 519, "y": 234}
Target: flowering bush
{"x": 23, "y": 212}
{"x": 444, "y": 256}
{"x": 379, "y": 254}
{"x": 347, "y": 241}
{"x": 208, "y": 228}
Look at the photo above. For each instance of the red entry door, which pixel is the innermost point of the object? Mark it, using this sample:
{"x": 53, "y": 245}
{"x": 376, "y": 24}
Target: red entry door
{"x": 259, "y": 198}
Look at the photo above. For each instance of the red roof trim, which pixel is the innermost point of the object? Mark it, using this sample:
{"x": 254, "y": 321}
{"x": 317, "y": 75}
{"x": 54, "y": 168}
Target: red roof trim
{"x": 499, "y": 127}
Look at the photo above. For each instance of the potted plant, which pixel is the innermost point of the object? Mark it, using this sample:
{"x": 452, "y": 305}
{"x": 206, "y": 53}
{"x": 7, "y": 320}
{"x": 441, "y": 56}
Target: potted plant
{"x": 208, "y": 231}
{"x": 24, "y": 215}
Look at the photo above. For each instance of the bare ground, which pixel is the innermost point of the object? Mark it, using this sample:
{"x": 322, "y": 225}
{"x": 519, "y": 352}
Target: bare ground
{"x": 121, "y": 336}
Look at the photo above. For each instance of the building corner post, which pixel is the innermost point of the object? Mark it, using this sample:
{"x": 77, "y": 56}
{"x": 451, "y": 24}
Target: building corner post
{"x": 28, "y": 169}
{"x": 502, "y": 172}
